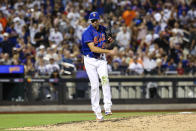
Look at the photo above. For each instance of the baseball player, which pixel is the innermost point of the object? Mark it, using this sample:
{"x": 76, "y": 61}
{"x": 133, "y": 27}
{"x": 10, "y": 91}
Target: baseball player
{"x": 93, "y": 41}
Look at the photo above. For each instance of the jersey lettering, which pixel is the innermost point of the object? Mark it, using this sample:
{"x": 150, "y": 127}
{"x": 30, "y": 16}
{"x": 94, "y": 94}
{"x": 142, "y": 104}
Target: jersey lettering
{"x": 103, "y": 37}
{"x": 95, "y": 40}
{"x": 99, "y": 40}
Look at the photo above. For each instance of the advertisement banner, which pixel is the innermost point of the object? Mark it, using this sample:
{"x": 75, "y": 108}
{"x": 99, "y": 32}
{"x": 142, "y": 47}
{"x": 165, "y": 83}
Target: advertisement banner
{"x": 11, "y": 69}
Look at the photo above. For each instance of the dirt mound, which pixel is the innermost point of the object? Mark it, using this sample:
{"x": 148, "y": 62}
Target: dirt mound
{"x": 167, "y": 122}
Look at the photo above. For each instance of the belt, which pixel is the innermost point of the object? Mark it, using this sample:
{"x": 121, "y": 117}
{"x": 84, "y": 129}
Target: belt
{"x": 101, "y": 57}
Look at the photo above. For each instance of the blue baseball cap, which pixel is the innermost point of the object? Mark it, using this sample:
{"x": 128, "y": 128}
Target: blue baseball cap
{"x": 94, "y": 16}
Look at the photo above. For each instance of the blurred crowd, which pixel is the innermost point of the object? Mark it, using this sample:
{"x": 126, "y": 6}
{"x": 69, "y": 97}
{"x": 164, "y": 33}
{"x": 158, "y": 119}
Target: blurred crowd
{"x": 155, "y": 37}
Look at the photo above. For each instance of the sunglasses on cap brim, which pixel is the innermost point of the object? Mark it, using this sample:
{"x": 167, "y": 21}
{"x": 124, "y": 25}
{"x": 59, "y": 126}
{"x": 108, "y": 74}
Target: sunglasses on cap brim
{"x": 94, "y": 20}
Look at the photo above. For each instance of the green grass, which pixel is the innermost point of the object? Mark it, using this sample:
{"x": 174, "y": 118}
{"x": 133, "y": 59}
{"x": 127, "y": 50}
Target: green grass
{"x": 27, "y": 120}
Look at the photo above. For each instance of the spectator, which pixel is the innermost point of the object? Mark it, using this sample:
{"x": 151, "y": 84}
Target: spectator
{"x": 180, "y": 69}
{"x": 6, "y": 59}
{"x": 29, "y": 68}
{"x": 12, "y": 32}
{"x": 184, "y": 19}
{"x": 18, "y": 25}
{"x": 149, "y": 63}
{"x": 162, "y": 42}
{"x": 52, "y": 66}
{"x": 56, "y": 36}
{"x": 192, "y": 13}
{"x": 123, "y": 38}
{"x": 51, "y": 53}
{"x": 41, "y": 37}
{"x": 41, "y": 51}
{"x": 116, "y": 66}
{"x": 135, "y": 67}
{"x": 6, "y": 44}
{"x": 67, "y": 63}
{"x": 33, "y": 28}
{"x": 40, "y": 66}
{"x": 191, "y": 66}
{"x": 171, "y": 66}
{"x": 3, "y": 21}
{"x": 128, "y": 15}
{"x": 80, "y": 26}
{"x": 73, "y": 15}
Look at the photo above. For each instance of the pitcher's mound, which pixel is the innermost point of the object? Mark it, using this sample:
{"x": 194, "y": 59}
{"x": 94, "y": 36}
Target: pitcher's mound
{"x": 167, "y": 122}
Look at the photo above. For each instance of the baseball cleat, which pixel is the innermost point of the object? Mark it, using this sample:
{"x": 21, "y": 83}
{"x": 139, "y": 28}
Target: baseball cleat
{"x": 100, "y": 119}
{"x": 108, "y": 113}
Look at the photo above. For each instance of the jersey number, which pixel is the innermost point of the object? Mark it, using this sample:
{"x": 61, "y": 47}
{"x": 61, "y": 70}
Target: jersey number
{"x": 96, "y": 41}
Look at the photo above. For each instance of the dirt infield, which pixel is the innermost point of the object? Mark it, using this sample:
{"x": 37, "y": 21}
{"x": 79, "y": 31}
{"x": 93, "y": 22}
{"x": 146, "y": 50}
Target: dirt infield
{"x": 167, "y": 122}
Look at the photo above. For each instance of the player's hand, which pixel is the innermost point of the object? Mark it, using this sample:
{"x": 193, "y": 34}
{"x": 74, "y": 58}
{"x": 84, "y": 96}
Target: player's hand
{"x": 110, "y": 39}
{"x": 113, "y": 51}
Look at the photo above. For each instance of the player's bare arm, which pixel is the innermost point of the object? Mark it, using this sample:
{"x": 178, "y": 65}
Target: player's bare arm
{"x": 96, "y": 49}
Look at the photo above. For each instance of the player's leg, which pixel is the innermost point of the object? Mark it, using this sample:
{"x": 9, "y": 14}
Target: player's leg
{"x": 91, "y": 65}
{"x": 103, "y": 74}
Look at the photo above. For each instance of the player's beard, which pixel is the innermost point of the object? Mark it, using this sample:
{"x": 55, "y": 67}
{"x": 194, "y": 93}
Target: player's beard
{"x": 96, "y": 25}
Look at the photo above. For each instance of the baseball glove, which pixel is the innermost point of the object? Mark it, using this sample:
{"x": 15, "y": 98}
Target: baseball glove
{"x": 108, "y": 34}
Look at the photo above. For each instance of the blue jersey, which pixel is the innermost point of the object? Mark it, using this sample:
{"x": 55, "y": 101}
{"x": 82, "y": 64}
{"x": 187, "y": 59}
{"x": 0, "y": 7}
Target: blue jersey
{"x": 93, "y": 35}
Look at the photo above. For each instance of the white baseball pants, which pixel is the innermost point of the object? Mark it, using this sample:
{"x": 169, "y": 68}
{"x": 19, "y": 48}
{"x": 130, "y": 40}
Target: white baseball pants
{"x": 96, "y": 69}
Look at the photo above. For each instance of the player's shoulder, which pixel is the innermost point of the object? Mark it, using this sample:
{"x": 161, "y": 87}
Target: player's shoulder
{"x": 87, "y": 30}
{"x": 102, "y": 27}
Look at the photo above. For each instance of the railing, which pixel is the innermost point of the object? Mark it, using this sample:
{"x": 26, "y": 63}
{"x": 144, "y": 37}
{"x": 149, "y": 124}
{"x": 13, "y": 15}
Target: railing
{"x": 125, "y": 90}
